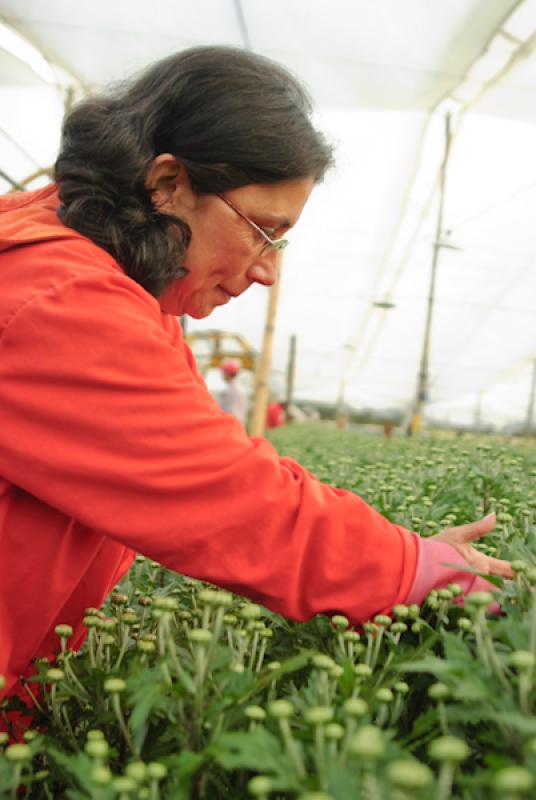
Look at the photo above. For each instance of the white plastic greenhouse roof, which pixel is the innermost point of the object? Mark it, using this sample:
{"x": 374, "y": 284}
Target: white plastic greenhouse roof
{"x": 383, "y": 73}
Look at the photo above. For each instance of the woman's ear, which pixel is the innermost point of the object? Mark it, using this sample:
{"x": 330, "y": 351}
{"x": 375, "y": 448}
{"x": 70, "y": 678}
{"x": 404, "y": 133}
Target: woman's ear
{"x": 169, "y": 184}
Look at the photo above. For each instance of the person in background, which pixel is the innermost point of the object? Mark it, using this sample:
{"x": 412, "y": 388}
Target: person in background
{"x": 233, "y": 399}
{"x": 172, "y": 195}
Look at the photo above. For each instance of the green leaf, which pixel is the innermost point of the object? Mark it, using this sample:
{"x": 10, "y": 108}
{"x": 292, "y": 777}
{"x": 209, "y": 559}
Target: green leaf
{"x": 256, "y": 750}
{"x": 181, "y": 769}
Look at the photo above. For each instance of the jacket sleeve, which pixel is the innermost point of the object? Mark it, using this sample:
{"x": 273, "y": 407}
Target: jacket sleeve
{"x": 105, "y": 419}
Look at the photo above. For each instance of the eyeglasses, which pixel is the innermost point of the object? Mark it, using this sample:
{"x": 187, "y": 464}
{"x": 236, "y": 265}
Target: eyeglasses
{"x": 268, "y": 244}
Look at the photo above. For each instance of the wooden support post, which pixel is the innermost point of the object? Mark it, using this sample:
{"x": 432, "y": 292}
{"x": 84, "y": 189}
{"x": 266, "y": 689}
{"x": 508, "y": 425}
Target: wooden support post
{"x": 262, "y": 376}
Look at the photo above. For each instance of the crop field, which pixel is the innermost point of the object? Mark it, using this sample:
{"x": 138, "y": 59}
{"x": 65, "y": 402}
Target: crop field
{"x": 185, "y": 691}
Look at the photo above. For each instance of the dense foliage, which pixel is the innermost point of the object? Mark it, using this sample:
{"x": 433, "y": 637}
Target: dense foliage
{"x": 184, "y": 691}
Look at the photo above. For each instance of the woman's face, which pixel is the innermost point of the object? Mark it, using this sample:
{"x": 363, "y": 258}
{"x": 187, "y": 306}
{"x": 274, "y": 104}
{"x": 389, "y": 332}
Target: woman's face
{"x": 226, "y": 254}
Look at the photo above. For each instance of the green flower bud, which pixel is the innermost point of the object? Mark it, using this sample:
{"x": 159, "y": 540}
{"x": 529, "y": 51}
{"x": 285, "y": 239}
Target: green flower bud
{"x": 93, "y": 612}
{"x": 465, "y": 624}
{"x": 94, "y": 735}
{"x": 321, "y": 661}
{"x": 97, "y": 748}
{"x": 406, "y": 774}
{"x": 399, "y": 627}
{"x": 513, "y": 780}
{"x": 340, "y": 621}
{"x": 259, "y": 786}
{"x": 417, "y": 627}
{"x": 145, "y": 601}
{"x": 438, "y": 691}
{"x": 4, "y": 738}
{"x": 156, "y": 770}
{"x": 273, "y": 666}
{"x": 64, "y": 631}
{"x": 238, "y": 668}
{"x": 367, "y": 743}
{"x": 448, "y": 748}
{"x": 136, "y": 770}
{"x": 315, "y": 796}
{"x": 444, "y": 594}
{"x": 30, "y": 735}
{"x": 255, "y": 712}
{"x": 124, "y": 785}
{"x": 479, "y": 599}
{"x": 334, "y": 731}
{"x": 165, "y": 603}
{"x": 455, "y": 588}
{"x": 101, "y": 775}
{"x": 383, "y": 620}
{"x": 351, "y": 636}
{"x": 281, "y": 709}
{"x": 362, "y": 671}
{"x": 336, "y": 671}
{"x": 145, "y": 647}
{"x": 251, "y": 611}
{"x": 355, "y": 707}
{"x": 118, "y": 599}
{"x": 400, "y": 611}
{"x": 522, "y": 660}
{"x": 414, "y": 610}
{"x": 114, "y": 685}
{"x": 18, "y": 753}
{"x": 531, "y": 575}
{"x": 384, "y": 695}
{"x": 319, "y": 715}
{"x": 518, "y": 565}
{"x": 401, "y": 687}
{"x": 212, "y": 597}
{"x": 107, "y": 624}
{"x": 54, "y": 675}
{"x": 200, "y": 636}
{"x": 91, "y": 621}
{"x": 230, "y": 619}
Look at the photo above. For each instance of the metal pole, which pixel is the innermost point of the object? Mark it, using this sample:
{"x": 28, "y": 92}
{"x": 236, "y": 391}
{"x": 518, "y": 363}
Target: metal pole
{"x": 262, "y": 376}
{"x": 423, "y": 376}
{"x": 530, "y": 409}
{"x": 291, "y": 369}
{"x": 15, "y": 184}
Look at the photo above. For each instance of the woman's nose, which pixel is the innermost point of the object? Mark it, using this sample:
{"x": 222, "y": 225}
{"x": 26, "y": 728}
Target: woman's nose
{"x": 264, "y": 270}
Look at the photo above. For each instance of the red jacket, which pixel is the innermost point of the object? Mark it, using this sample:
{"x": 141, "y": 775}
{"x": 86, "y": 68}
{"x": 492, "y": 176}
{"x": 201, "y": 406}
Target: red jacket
{"x": 110, "y": 444}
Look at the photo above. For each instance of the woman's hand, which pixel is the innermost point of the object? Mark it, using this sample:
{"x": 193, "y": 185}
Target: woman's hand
{"x": 460, "y": 539}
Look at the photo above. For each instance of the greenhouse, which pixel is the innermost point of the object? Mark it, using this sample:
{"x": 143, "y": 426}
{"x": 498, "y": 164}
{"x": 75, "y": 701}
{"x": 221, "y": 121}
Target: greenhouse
{"x": 268, "y": 399}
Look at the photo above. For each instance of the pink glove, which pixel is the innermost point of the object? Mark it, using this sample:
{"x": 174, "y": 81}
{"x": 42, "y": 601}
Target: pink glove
{"x": 431, "y": 573}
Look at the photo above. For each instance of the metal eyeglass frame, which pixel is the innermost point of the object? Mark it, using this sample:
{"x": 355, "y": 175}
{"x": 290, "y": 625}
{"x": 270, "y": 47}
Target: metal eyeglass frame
{"x": 273, "y": 244}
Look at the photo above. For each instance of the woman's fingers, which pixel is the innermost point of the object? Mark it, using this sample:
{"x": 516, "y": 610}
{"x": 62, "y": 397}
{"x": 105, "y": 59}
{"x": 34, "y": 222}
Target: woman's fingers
{"x": 460, "y": 537}
{"x": 484, "y": 563}
{"x": 473, "y": 530}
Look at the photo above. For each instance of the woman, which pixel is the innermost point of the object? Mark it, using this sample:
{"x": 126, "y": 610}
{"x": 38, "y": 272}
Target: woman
{"x": 172, "y": 196}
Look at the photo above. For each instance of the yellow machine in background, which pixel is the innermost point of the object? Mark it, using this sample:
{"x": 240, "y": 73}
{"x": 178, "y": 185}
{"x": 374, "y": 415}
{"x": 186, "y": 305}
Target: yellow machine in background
{"x": 212, "y": 348}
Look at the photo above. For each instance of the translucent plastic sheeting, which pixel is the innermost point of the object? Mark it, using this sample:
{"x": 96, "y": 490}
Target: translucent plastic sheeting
{"x": 376, "y": 70}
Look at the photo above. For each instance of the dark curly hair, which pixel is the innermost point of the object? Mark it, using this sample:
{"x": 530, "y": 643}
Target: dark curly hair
{"x": 230, "y": 116}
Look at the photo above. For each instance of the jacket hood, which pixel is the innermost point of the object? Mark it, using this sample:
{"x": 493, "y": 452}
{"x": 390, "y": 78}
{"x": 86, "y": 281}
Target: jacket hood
{"x": 30, "y": 217}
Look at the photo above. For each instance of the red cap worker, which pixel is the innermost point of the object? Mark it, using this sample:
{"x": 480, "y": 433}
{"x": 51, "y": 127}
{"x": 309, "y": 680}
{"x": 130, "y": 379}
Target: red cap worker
{"x": 233, "y": 400}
